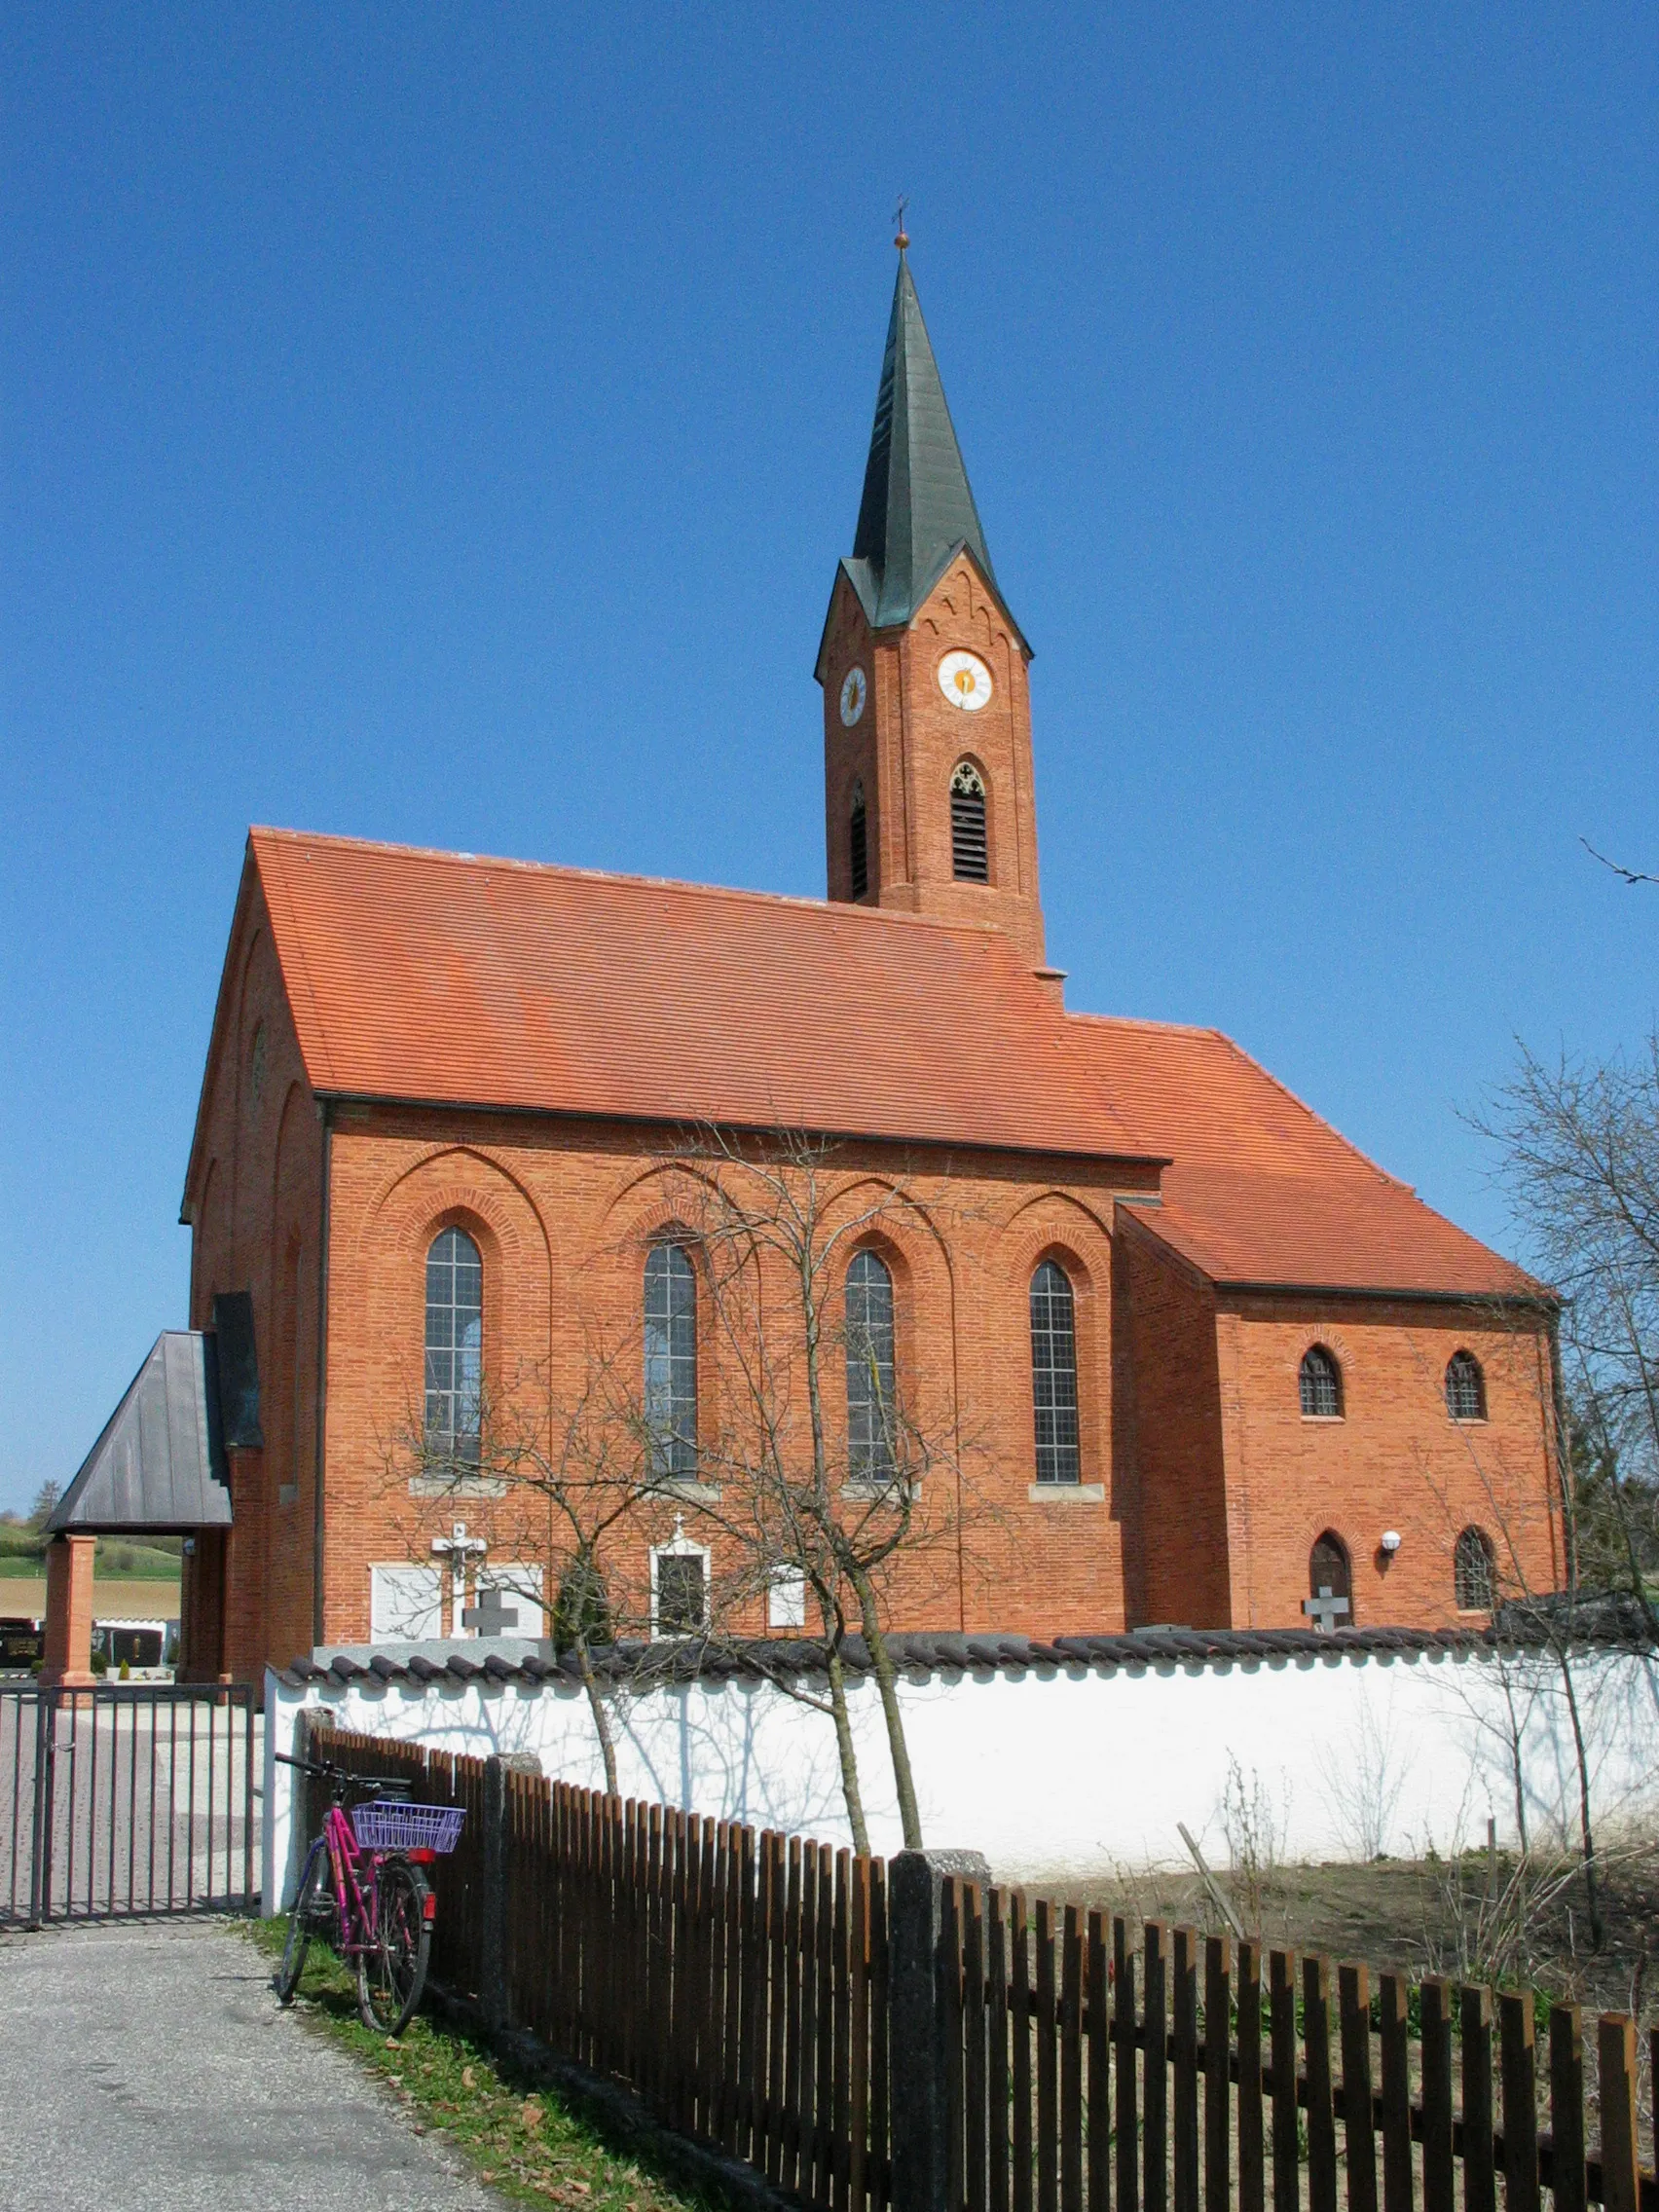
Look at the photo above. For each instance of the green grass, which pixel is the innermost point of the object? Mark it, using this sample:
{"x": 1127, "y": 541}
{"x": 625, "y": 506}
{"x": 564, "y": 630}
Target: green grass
{"x": 523, "y": 2139}
{"x": 112, "y": 1563}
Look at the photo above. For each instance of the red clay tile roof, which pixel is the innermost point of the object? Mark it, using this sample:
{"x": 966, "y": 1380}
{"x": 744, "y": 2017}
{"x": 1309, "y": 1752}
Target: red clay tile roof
{"x": 441, "y": 976}
{"x": 1260, "y": 1189}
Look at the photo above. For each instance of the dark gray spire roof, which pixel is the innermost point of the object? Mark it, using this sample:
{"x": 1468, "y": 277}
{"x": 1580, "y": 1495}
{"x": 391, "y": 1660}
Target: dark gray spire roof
{"x": 917, "y": 510}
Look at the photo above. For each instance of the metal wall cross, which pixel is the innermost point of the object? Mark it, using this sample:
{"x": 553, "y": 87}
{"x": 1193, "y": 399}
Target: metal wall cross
{"x": 491, "y": 1616}
{"x": 1326, "y": 1608}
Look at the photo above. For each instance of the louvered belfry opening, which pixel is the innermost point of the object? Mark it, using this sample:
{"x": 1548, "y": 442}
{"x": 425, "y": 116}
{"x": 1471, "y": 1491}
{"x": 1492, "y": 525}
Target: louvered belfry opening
{"x": 970, "y": 854}
{"x": 858, "y": 843}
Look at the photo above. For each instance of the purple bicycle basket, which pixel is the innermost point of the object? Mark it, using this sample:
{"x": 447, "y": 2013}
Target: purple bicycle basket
{"x": 391, "y": 1826}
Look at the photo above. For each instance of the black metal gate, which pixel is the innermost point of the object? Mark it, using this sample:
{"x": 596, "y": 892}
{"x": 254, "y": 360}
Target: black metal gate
{"x": 136, "y": 1798}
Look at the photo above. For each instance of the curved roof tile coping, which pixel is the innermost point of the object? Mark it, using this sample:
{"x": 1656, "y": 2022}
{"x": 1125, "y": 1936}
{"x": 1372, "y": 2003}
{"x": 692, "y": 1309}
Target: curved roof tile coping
{"x": 939, "y": 1654}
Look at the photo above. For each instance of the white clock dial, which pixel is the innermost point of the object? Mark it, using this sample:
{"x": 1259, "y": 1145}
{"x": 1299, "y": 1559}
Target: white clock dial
{"x": 964, "y": 681}
{"x": 853, "y": 692}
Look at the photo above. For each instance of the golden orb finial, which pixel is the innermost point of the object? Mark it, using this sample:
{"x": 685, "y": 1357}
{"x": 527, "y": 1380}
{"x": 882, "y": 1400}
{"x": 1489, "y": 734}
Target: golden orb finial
{"x": 903, "y": 237}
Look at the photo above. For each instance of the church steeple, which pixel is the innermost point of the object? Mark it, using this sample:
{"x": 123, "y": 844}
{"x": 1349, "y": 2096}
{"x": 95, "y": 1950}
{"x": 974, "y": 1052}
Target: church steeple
{"x": 926, "y": 713}
{"x": 918, "y": 506}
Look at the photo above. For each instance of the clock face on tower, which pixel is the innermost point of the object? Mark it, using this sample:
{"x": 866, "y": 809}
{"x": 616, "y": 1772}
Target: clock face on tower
{"x": 964, "y": 681}
{"x": 853, "y": 692}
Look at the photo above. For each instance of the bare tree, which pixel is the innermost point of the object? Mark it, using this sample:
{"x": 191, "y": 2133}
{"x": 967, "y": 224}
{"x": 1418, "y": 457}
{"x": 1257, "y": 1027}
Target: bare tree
{"x": 1580, "y": 1163}
{"x": 842, "y": 1506}
{"x": 566, "y": 1485}
{"x": 1579, "y": 1160}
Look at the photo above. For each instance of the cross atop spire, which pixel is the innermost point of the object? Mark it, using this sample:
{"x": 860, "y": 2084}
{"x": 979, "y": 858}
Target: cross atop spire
{"x": 917, "y": 508}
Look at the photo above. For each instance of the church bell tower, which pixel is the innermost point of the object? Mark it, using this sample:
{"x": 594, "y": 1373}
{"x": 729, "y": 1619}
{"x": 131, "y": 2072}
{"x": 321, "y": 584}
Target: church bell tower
{"x": 927, "y": 711}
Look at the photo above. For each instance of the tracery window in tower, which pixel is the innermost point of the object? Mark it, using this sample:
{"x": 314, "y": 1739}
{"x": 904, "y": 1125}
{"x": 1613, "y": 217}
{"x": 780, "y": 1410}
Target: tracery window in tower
{"x": 455, "y": 1346}
{"x": 671, "y": 1360}
{"x": 1320, "y": 1384}
{"x": 1466, "y": 1387}
{"x": 1474, "y": 1572}
{"x": 970, "y": 853}
{"x": 1054, "y": 1375}
{"x": 858, "y": 842}
{"x": 871, "y": 1380}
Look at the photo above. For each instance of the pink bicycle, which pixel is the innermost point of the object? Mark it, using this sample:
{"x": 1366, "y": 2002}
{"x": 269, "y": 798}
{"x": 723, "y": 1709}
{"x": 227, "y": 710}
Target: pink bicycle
{"x": 364, "y": 1894}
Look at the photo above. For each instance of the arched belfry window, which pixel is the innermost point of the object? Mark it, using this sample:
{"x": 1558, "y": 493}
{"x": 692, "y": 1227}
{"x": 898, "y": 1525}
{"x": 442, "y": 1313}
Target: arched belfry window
{"x": 857, "y": 841}
{"x": 970, "y": 853}
{"x": 871, "y": 1380}
{"x": 1054, "y": 1375}
{"x": 1466, "y": 1387}
{"x": 671, "y": 1360}
{"x": 1330, "y": 1583}
{"x": 1474, "y": 1572}
{"x": 1320, "y": 1383}
{"x": 455, "y": 1346}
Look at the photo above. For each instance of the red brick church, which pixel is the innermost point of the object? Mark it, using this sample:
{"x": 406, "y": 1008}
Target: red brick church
{"x": 1215, "y": 1360}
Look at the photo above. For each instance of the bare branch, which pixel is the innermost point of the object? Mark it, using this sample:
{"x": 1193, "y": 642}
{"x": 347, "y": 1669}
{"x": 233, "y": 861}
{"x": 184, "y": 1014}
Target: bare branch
{"x": 1629, "y": 874}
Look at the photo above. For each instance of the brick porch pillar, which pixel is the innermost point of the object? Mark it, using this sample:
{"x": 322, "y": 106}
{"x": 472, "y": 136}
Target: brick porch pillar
{"x": 68, "y": 1661}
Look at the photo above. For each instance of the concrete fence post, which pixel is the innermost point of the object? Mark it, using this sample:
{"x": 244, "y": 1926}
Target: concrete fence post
{"x": 916, "y": 1999}
{"x": 494, "y": 1981}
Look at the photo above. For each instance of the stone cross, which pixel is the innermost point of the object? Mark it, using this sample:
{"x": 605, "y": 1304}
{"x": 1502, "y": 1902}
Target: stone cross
{"x": 1325, "y": 1609}
{"x": 461, "y": 1547}
{"x": 490, "y": 1616}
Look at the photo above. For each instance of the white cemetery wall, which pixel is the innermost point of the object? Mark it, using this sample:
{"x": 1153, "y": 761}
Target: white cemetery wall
{"x": 1059, "y": 1772}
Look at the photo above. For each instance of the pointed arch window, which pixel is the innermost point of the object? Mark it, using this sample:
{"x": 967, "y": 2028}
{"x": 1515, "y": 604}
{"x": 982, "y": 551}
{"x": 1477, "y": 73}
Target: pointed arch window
{"x": 1474, "y": 1572}
{"x": 1320, "y": 1382}
{"x": 1054, "y": 1375}
{"x": 454, "y": 1346}
{"x": 871, "y": 1380}
{"x": 970, "y": 852}
{"x": 671, "y": 1361}
{"x": 1330, "y": 1583}
{"x": 1466, "y": 1387}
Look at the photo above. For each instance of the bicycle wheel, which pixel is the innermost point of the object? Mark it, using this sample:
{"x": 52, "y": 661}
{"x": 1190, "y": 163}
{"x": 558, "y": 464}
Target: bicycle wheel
{"x": 304, "y": 1922}
{"x": 392, "y": 1971}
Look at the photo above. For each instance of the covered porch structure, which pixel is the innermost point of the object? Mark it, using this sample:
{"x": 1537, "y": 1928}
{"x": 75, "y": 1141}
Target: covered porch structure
{"x": 184, "y": 1439}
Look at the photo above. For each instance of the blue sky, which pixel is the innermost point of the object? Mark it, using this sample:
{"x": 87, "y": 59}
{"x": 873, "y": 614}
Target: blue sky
{"x": 442, "y": 425}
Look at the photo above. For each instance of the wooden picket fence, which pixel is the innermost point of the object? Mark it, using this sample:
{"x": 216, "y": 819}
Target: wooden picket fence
{"x": 739, "y": 1981}
{"x": 1177, "y": 2079}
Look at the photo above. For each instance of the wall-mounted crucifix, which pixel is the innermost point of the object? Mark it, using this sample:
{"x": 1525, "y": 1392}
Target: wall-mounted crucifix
{"x": 459, "y": 1548}
{"x": 1326, "y": 1609}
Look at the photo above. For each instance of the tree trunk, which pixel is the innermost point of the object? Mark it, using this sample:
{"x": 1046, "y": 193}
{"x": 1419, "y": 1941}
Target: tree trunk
{"x": 909, "y": 1818}
{"x": 601, "y": 1718}
{"x": 1516, "y": 1773}
{"x": 851, "y": 1789}
{"x": 1592, "y": 1882}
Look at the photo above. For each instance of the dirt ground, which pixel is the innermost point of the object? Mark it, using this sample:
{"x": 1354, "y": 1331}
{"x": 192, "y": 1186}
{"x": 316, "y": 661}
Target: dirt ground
{"x": 1477, "y": 1918}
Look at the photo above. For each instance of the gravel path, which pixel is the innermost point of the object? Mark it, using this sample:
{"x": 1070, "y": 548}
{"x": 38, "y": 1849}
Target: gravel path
{"x": 148, "y": 2067}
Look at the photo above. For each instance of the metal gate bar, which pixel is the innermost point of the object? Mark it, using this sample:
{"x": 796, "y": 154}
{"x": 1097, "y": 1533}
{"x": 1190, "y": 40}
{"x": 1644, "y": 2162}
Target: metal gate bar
{"x": 111, "y": 1814}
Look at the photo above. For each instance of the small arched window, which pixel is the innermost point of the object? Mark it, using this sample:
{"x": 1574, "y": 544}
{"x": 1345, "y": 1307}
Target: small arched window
{"x": 870, "y": 1378}
{"x": 858, "y": 842}
{"x": 1321, "y": 1385}
{"x": 1054, "y": 1375}
{"x": 1474, "y": 1572}
{"x": 1330, "y": 1583}
{"x": 1466, "y": 1387}
{"x": 970, "y": 853}
{"x": 455, "y": 1346}
{"x": 671, "y": 1360}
